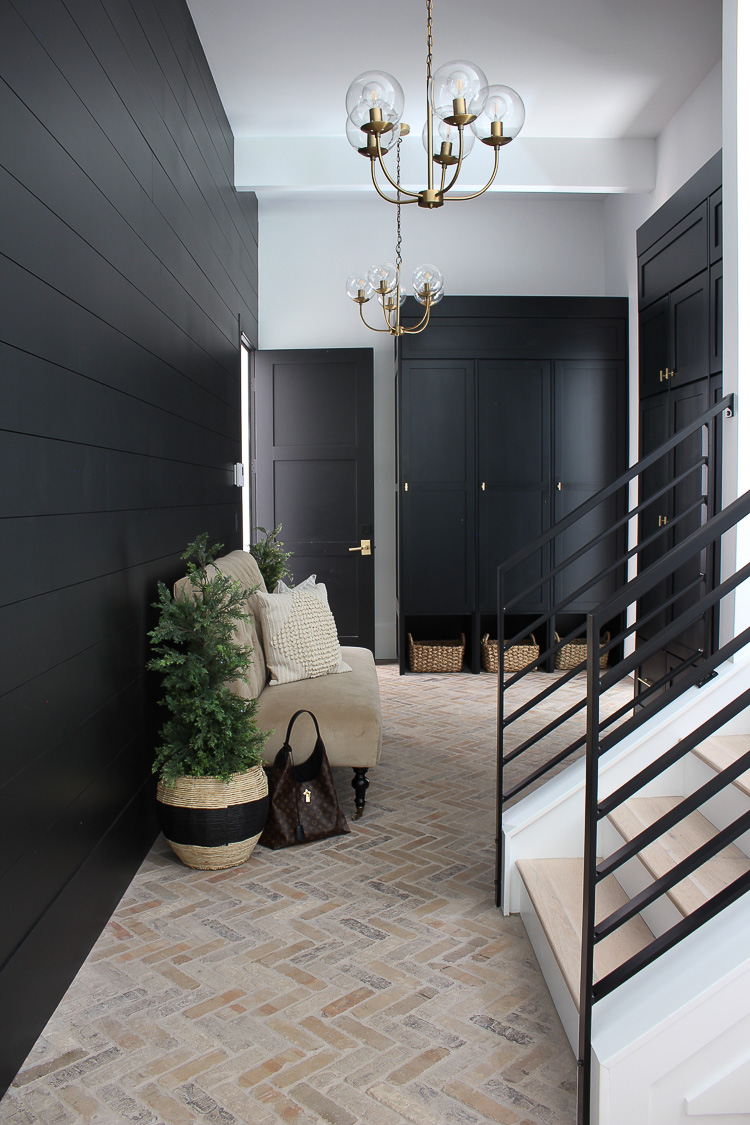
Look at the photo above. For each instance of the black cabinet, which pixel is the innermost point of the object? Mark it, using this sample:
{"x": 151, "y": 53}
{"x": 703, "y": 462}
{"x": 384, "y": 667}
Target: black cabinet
{"x": 492, "y": 449}
{"x": 680, "y": 350}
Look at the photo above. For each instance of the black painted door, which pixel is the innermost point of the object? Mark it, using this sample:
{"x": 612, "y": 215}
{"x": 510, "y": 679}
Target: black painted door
{"x": 314, "y": 473}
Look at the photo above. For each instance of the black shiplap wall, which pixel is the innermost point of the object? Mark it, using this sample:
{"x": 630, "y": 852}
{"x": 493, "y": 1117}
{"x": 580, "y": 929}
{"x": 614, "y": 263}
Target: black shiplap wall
{"x": 126, "y": 258}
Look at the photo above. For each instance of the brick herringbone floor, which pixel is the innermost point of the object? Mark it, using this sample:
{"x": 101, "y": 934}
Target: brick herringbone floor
{"x": 368, "y": 978}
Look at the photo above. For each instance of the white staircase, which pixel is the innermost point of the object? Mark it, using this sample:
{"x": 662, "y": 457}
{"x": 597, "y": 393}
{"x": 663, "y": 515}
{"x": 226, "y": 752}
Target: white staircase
{"x": 672, "y": 1044}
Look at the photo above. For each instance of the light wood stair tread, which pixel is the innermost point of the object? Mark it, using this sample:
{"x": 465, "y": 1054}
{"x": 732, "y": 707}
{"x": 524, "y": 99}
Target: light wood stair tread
{"x": 555, "y": 887}
{"x": 675, "y": 845}
{"x": 721, "y": 750}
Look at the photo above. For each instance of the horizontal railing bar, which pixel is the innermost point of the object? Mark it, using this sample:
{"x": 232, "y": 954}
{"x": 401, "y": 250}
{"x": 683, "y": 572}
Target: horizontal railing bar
{"x": 672, "y": 817}
{"x": 675, "y": 875}
{"x": 672, "y": 937}
{"x": 692, "y": 545}
{"x": 558, "y": 721}
{"x": 636, "y": 550}
{"x": 625, "y": 478}
{"x": 677, "y": 626}
{"x": 540, "y": 771}
{"x": 630, "y": 514}
{"x": 695, "y": 738}
{"x": 644, "y": 713}
{"x": 538, "y": 698}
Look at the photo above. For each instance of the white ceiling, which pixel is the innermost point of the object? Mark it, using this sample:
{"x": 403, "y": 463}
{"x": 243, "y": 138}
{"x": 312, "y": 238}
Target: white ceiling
{"x": 614, "y": 69}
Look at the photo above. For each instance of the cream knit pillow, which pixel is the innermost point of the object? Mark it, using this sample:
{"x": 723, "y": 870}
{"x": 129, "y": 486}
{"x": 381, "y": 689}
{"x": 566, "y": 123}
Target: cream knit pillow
{"x": 299, "y": 635}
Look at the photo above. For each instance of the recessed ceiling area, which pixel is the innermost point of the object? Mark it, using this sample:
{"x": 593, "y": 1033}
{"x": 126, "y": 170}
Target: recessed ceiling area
{"x": 587, "y": 70}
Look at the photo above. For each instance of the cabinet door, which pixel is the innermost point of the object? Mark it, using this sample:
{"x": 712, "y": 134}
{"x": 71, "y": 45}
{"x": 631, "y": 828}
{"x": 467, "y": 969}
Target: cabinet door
{"x": 654, "y": 351}
{"x": 689, "y": 331}
{"x": 590, "y": 440}
{"x": 513, "y": 425}
{"x": 437, "y": 484}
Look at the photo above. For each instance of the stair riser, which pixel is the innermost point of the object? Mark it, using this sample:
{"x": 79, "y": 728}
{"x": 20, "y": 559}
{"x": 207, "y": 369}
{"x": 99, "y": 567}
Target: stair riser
{"x": 558, "y": 989}
{"x": 633, "y": 877}
{"x": 722, "y": 809}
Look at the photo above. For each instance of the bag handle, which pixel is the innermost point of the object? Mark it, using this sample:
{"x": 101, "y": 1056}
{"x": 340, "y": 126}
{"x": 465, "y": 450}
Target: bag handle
{"x": 292, "y": 721}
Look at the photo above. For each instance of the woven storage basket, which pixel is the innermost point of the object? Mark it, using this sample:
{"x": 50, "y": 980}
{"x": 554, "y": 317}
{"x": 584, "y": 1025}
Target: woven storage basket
{"x": 576, "y": 652}
{"x": 212, "y": 824}
{"x": 436, "y": 656}
{"x": 517, "y": 657}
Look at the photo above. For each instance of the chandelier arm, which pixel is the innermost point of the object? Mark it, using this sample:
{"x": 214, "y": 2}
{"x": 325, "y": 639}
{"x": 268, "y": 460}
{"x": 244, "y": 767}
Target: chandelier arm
{"x": 362, "y": 318}
{"x": 459, "y": 166}
{"x": 463, "y": 198}
{"x": 391, "y": 181}
{"x": 422, "y": 324}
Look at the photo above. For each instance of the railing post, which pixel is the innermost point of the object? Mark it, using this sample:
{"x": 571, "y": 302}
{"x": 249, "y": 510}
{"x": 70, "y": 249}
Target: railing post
{"x": 499, "y": 841}
{"x": 589, "y": 869}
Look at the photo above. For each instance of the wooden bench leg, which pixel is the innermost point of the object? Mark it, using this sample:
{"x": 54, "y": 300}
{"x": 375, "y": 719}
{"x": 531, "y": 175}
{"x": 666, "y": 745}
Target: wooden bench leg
{"x": 360, "y": 785}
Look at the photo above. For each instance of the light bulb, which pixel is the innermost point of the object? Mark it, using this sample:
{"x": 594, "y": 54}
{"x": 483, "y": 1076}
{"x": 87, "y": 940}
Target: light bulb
{"x": 357, "y": 283}
{"x": 443, "y": 133}
{"x": 502, "y": 118}
{"x": 374, "y": 92}
{"x": 363, "y": 143}
{"x": 427, "y": 276}
{"x": 459, "y": 87}
{"x": 383, "y": 278}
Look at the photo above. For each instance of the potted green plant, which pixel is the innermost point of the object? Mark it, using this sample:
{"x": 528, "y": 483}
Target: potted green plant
{"x": 271, "y": 557}
{"x": 212, "y": 792}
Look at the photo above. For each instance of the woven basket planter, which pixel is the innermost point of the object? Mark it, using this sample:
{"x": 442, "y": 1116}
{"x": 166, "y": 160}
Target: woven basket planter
{"x": 517, "y": 657}
{"x": 211, "y": 824}
{"x": 436, "y": 656}
{"x": 575, "y": 653}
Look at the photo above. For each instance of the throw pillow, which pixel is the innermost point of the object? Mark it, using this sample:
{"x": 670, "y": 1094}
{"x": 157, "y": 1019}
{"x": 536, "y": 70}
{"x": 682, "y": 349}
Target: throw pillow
{"x": 309, "y": 584}
{"x": 299, "y": 635}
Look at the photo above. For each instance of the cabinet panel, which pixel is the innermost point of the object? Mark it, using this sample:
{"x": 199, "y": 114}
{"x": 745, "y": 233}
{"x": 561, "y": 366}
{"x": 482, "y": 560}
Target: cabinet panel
{"x": 438, "y": 550}
{"x": 513, "y": 423}
{"x": 689, "y": 328}
{"x": 715, "y": 236}
{"x": 437, "y": 422}
{"x": 716, "y": 318}
{"x": 590, "y": 431}
{"x": 680, "y": 253}
{"x": 655, "y": 355}
{"x": 651, "y": 530}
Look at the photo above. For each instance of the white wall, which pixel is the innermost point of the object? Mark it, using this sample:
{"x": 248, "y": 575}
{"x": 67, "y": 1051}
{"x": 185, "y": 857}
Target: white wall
{"x": 498, "y": 244}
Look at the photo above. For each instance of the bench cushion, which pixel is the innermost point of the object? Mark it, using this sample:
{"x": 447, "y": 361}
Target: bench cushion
{"x": 347, "y": 708}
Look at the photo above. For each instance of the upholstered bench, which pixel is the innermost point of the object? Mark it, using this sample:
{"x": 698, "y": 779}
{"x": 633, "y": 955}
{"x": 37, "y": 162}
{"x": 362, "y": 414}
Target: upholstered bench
{"x": 346, "y": 704}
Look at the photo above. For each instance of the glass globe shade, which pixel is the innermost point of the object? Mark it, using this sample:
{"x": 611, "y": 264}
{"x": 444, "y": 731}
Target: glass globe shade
{"x": 356, "y": 282}
{"x": 504, "y": 105}
{"x": 459, "y": 79}
{"x": 383, "y": 277}
{"x": 427, "y": 275}
{"x": 374, "y": 89}
{"x": 382, "y": 298}
{"x": 442, "y": 132}
{"x": 357, "y": 138}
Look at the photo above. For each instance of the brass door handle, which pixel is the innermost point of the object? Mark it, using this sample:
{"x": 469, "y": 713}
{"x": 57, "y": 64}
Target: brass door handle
{"x": 663, "y": 521}
{"x": 365, "y": 546}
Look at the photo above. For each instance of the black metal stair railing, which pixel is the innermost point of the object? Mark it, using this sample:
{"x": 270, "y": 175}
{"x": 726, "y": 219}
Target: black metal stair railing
{"x": 547, "y": 745}
{"x": 597, "y": 809}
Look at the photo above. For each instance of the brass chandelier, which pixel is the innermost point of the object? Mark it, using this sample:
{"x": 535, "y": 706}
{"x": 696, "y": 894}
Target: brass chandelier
{"x": 458, "y": 95}
{"x": 385, "y": 281}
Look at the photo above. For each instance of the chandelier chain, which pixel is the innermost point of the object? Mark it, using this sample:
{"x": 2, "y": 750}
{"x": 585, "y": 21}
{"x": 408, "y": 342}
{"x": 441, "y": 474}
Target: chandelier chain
{"x": 429, "y": 41}
{"x": 398, "y": 209}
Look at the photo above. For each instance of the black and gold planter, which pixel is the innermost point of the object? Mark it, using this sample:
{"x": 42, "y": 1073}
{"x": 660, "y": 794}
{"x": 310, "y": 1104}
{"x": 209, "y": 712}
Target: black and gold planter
{"x": 211, "y": 824}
